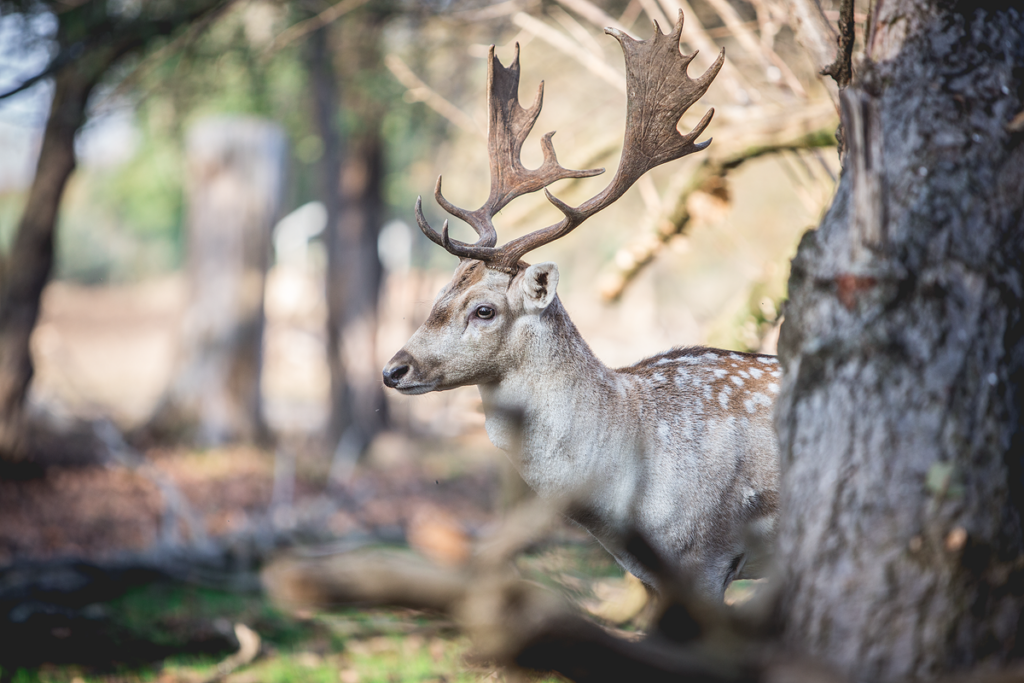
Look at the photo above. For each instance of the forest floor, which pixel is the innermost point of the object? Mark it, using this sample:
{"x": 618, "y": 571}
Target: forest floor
{"x": 435, "y": 498}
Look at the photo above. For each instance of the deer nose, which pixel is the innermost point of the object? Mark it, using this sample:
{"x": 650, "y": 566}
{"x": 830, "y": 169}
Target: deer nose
{"x": 397, "y": 368}
{"x": 394, "y": 374}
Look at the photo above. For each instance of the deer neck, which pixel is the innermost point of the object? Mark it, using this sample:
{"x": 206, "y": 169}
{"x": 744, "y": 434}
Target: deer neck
{"x": 547, "y": 407}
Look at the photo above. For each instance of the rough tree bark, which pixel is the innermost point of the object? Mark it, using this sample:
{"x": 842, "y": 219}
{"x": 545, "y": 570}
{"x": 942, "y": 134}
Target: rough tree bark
{"x": 235, "y": 187}
{"x": 900, "y": 419}
{"x": 352, "y": 171}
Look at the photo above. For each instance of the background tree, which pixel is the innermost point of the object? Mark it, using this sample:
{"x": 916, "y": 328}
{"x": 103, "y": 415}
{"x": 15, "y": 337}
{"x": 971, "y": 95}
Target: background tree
{"x": 91, "y": 38}
{"x": 345, "y": 66}
{"x": 236, "y": 174}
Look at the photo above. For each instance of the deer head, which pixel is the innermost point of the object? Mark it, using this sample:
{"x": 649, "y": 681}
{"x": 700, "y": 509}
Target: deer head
{"x": 494, "y": 309}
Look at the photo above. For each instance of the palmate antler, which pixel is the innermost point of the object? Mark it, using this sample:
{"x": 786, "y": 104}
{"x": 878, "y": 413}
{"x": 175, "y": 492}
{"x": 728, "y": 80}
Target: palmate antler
{"x": 660, "y": 92}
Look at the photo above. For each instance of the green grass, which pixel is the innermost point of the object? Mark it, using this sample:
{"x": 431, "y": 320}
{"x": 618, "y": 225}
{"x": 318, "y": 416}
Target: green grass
{"x": 170, "y": 614}
{"x": 341, "y": 646}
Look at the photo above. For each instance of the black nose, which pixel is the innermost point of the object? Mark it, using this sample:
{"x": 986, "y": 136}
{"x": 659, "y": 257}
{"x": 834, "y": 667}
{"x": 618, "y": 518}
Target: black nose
{"x": 393, "y": 375}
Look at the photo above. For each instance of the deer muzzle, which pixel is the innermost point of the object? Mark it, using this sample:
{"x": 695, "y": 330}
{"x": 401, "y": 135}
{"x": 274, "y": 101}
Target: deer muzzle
{"x": 400, "y": 373}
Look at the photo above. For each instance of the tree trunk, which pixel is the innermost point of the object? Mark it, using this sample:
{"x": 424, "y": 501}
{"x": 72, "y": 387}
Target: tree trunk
{"x": 31, "y": 257}
{"x": 353, "y": 169}
{"x": 235, "y": 185}
{"x": 900, "y": 419}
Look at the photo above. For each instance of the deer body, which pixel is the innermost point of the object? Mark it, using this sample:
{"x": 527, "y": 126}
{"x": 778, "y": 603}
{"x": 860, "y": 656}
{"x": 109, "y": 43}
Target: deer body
{"x": 679, "y": 447}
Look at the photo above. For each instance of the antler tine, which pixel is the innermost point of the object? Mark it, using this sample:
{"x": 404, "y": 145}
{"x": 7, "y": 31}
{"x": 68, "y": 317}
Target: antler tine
{"x": 509, "y": 124}
{"x": 660, "y": 92}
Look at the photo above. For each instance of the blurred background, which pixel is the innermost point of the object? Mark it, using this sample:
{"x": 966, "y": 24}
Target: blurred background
{"x": 235, "y": 258}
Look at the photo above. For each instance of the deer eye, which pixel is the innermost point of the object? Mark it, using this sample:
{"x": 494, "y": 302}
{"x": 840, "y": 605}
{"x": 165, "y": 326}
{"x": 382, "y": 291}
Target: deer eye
{"x": 484, "y": 312}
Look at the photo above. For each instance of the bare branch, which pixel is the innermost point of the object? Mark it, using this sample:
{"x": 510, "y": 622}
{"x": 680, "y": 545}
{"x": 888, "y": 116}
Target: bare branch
{"x": 569, "y": 47}
{"x": 592, "y": 13}
{"x": 296, "y": 31}
{"x": 152, "y": 61}
{"x": 577, "y": 31}
{"x": 120, "y": 38}
{"x": 50, "y": 69}
{"x": 421, "y": 92}
{"x": 754, "y": 46}
{"x": 743, "y": 141}
{"x": 816, "y": 35}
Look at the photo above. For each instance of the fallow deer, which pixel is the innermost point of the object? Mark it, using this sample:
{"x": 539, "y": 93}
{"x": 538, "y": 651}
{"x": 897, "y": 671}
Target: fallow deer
{"x": 679, "y": 447}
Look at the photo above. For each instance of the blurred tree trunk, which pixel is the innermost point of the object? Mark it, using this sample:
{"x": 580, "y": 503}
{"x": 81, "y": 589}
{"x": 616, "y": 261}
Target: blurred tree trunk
{"x": 900, "y": 420}
{"x": 352, "y": 170}
{"x": 90, "y": 41}
{"x": 30, "y": 260}
{"x": 235, "y": 184}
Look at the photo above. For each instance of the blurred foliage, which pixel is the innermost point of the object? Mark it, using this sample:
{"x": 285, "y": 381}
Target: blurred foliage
{"x": 124, "y": 220}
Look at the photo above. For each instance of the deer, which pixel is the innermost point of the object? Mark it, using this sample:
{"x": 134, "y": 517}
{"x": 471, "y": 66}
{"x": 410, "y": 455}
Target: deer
{"x": 679, "y": 448}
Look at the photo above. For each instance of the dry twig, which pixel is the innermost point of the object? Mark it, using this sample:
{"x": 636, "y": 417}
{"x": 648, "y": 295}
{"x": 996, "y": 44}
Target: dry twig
{"x": 743, "y": 141}
{"x": 421, "y": 92}
{"x": 755, "y": 47}
{"x": 817, "y": 36}
{"x": 307, "y": 26}
{"x": 569, "y": 47}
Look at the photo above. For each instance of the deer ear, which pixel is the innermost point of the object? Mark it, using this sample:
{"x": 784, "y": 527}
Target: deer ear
{"x": 539, "y": 284}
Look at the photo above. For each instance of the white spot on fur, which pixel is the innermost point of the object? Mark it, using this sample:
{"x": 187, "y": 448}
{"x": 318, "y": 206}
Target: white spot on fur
{"x": 736, "y": 380}
{"x": 723, "y": 399}
{"x": 735, "y": 356}
{"x": 756, "y": 373}
{"x": 744, "y": 375}
{"x": 776, "y": 373}
{"x": 734, "y": 365}
{"x": 707, "y": 391}
{"x": 709, "y": 356}
{"x": 720, "y": 373}
{"x": 767, "y": 360}
{"x": 773, "y": 387}
{"x": 666, "y": 361}
{"x": 659, "y": 378}
{"x": 749, "y": 405}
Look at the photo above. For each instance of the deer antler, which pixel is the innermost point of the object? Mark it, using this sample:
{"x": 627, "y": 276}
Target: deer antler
{"x": 508, "y": 125}
{"x": 660, "y": 92}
